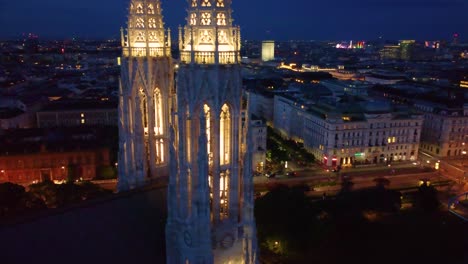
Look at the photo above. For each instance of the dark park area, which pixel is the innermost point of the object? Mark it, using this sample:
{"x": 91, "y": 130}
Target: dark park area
{"x": 365, "y": 226}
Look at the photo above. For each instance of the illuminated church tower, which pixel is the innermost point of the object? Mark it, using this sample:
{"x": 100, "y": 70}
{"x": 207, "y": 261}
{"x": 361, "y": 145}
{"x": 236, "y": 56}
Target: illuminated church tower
{"x": 210, "y": 194}
{"x": 146, "y": 95}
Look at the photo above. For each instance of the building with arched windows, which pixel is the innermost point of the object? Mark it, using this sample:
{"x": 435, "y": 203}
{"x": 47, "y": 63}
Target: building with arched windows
{"x": 146, "y": 96}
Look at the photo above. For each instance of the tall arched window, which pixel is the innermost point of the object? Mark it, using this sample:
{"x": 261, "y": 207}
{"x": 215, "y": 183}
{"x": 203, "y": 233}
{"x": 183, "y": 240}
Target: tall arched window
{"x": 207, "y": 110}
{"x": 159, "y": 126}
{"x": 224, "y": 194}
{"x": 225, "y": 136}
{"x": 144, "y": 111}
{"x": 158, "y": 113}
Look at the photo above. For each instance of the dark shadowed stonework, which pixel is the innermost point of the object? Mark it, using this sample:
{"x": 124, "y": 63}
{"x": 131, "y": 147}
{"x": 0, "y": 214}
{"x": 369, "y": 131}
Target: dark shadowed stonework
{"x": 126, "y": 229}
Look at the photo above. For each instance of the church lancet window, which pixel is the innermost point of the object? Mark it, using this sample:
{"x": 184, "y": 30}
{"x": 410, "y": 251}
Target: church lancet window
{"x": 144, "y": 111}
{"x": 151, "y": 9}
{"x": 225, "y": 136}
{"x": 140, "y": 23}
{"x": 224, "y": 194}
{"x": 152, "y": 23}
{"x": 208, "y": 133}
{"x": 194, "y": 3}
{"x": 159, "y": 122}
{"x": 193, "y": 19}
{"x": 222, "y": 37}
{"x": 206, "y": 3}
{"x": 206, "y": 19}
{"x": 220, "y": 3}
{"x": 152, "y": 36}
{"x": 159, "y": 126}
{"x": 221, "y": 19}
{"x": 139, "y": 9}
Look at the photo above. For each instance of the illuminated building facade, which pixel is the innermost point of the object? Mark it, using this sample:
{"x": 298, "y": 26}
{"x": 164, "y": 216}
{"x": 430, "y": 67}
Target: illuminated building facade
{"x": 268, "y": 50}
{"x": 366, "y": 133}
{"x": 210, "y": 193}
{"x": 146, "y": 96}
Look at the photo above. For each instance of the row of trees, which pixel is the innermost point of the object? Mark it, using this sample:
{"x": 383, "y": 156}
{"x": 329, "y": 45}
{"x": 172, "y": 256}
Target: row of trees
{"x": 290, "y": 224}
{"x": 15, "y": 200}
{"x": 281, "y": 150}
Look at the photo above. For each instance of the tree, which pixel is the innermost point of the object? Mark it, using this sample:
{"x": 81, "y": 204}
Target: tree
{"x": 284, "y": 220}
{"x": 15, "y": 200}
{"x": 426, "y": 198}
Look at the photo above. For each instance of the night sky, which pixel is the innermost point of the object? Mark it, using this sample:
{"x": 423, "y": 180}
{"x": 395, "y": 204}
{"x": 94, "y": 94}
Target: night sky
{"x": 259, "y": 19}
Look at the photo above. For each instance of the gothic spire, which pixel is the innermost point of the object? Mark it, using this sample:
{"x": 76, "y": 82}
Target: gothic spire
{"x": 146, "y": 33}
{"x": 209, "y": 36}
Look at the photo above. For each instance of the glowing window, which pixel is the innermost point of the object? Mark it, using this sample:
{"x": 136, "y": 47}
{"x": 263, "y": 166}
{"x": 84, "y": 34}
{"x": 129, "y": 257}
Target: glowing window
{"x": 193, "y": 19}
{"x": 225, "y": 136}
{"x": 206, "y": 3}
{"x": 158, "y": 113}
{"x": 140, "y": 36}
{"x": 194, "y": 3}
{"x": 152, "y": 23}
{"x": 224, "y": 195}
{"x": 221, "y": 19}
{"x": 140, "y": 23}
{"x": 152, "y": 36}
{"x": 222, "y": 36}
{"x": 144, "y": 111}
{"x": 206, "y": 19}
{"x": 150, "y": 9}
{"x": 139, "y": 9}
{"x": 206, "y": 36}
{"x": 208, "y": 133}
{"x": 220, "y": 3}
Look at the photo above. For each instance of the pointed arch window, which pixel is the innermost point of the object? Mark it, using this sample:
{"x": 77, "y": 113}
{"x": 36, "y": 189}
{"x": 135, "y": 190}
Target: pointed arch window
{"x": 194, "y": 3}
{"x": 158, "y": 113}
{"x": 144, "y": 111}
{"x": 193, "y": 19}
{"x": 206, "y": 3}
{"x": 225, "y": 136}
{"x": 150, "y": 9}
{"x": 221, "y": 19}
{"x": 224, "y": 194}
{"x": 152, "y": 23}
{"x": 139, "y": 9}
{"x": 207, "y": 110}
{"x": 220, "y": 3}
{"x": 140, "y": 23}
{"x": 152, "y": 36}
{"x": 222, "y": 37}
{"x": 206, "y": 19}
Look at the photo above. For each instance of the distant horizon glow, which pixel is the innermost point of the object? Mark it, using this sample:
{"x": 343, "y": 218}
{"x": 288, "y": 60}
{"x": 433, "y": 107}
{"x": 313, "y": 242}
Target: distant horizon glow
{"x": 429, "y": 20}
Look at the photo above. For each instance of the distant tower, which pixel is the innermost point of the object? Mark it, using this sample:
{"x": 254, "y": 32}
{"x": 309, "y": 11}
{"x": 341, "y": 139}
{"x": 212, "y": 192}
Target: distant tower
{"x": 146, "y": 96}
{"x": 268, "y": 50}
{"x": 210, "y": 194}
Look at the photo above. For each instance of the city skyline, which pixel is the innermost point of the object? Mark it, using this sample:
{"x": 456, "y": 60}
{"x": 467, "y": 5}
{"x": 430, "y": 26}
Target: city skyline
{"x": 262, "y": 19}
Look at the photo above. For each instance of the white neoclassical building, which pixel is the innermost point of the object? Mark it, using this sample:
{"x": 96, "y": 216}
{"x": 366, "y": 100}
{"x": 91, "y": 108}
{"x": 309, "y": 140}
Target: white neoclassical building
{"x": 210, "y": 194}
{"x": 146, "y": 96}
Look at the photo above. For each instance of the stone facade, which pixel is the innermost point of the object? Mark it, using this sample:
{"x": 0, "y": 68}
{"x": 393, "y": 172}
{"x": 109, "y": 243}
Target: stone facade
{"x": 192, "y": 133}
{"x": 146, "y": 96}
{"x": 210, "y": 195}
